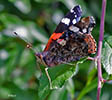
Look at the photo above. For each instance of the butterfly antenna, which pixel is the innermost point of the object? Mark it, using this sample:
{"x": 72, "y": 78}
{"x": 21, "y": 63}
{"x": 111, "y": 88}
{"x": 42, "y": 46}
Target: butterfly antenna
{"x": 29, "y": 45}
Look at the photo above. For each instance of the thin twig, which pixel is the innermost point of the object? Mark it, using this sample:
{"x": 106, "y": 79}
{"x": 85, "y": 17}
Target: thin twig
{"x": 100, "y": 78}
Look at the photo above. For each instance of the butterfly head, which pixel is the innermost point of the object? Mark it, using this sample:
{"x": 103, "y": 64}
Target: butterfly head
{"x": 40, "y": 57}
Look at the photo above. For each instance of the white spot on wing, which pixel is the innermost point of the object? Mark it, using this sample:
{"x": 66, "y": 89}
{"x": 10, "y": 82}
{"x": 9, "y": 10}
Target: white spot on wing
{"x": 71, "y": 10}
{"x": 93, "y": 19}
{"x": 74, "y": 21}
{"x": 74, "y": 29}
{"x": 84, "y": 30}
{"x": 75, "y": 16}
{"x": 61, "y": 42}
{"x": 90, "y": 29}
{"x": 65, "y": 21}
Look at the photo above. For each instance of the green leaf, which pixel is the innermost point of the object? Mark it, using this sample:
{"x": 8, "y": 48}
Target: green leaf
{"x": 108, "y": 14}
{"x": 106, "y": 92}
{"x": 110, "y": 77}
{"x": 11, "y": 91}
{"x": 59, "y": 75}
{"x": 107, "y": 55}
{"x": 23, "y": 5}
{"x": 60, "y": 94}
{"x": 90, "y": 84}
{"x": 37, "y": 32}
{"x": 109, "y": 41}
{"x": 4, "y": 92}
{"x": 13, "y": 23}
{"x": 87, "y": 89}
{"x": 26, "y": 29}
{"x": 9, "y": 20}
{"x": 71, "y": 88}
{"x": 13, "y": 60}
{"x": 91, "y": 75}
{"x": 45, "y": 1}
{"x": 60, "y": 80}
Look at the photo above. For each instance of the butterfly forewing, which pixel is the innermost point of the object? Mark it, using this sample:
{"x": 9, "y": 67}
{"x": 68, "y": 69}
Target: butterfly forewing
{"x": 72, "y": 17}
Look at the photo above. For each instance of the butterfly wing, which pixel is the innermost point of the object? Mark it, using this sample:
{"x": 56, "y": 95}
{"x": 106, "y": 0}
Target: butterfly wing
{"x": 70, "y": 41}
{"x": 85, "y": 26}
{"x": 72, "y": 45}
{"x": 72, "y": 17}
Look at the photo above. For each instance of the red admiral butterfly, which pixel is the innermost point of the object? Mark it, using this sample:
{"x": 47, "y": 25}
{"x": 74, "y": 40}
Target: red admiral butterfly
{"x": 71, "y": 41}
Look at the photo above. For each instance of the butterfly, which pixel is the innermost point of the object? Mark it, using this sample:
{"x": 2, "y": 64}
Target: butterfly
{"x": 71, "y": 41}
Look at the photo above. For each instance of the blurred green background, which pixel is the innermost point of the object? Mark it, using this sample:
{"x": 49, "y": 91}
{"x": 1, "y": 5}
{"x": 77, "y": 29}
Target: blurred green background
{"x": 35, "y": 20}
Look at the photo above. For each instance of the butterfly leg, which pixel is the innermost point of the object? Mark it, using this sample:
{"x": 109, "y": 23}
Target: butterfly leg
{"x": 92, "y": 58}
{"x": 46, "y": 71}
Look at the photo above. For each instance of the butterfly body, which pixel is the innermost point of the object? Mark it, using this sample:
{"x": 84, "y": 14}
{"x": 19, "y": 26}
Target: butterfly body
{"x": 70, "y": 41}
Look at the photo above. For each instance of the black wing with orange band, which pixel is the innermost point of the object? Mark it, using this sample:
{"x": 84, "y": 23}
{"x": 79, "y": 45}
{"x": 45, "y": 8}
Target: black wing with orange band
{"x": 71, "y": 18}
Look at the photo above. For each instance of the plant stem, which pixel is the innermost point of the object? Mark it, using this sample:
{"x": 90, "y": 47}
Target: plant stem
{"x": 100, "y": 79}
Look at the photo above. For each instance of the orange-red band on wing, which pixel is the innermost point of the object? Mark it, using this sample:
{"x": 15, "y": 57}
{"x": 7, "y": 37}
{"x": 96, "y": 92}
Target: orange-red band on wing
{"x": 54, "y": 36}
